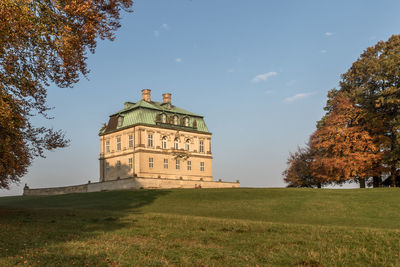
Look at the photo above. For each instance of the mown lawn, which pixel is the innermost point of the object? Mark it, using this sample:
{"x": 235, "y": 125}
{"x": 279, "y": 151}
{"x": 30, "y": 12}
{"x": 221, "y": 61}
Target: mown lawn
{"x": 203, "y": 227}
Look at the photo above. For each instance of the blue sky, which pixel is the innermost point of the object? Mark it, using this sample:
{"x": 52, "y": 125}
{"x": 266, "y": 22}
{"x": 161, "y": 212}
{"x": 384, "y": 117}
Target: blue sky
{"x": 258, "y": 71}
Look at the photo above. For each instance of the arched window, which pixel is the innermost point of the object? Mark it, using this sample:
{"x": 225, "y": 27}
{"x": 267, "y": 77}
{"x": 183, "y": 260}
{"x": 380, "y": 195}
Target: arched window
{"x": 163, "y": 118}
{"x": 187, "y": 122}
{"x": 164, "y": 142}
{"x": 187, "y": 145}
{"x": 176, "y": 120}
{"x": 176, "y": 143}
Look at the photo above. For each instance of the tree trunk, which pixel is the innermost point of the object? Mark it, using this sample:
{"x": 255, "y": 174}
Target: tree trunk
{"x": 377, "y": 181}
{"x": 362, "y": 182}
{"x": 392, "y": 176}
{"x": 319, "y": 185}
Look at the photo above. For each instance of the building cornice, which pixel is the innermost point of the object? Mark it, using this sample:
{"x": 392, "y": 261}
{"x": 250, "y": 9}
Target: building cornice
{"x": 163, "y": 126}
{"x": 186, "y": 175}
{"x": 165, "y": 152}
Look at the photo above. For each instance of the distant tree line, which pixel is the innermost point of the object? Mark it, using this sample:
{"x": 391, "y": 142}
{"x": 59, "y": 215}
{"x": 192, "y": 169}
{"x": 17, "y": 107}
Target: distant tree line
{"x": 358, "y": 139}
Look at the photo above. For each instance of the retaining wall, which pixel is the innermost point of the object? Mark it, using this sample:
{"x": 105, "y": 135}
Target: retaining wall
{"x": 56, "y": 190}
{"x": 129, "y": 183}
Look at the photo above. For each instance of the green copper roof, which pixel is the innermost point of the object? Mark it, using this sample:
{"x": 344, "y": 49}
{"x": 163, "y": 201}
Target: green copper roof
{"x": 149, "y": 113}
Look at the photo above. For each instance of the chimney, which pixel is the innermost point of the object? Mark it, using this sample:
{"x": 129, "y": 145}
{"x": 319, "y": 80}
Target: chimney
{"x": 166, "y": 98}
{"x": 146, "y": 95}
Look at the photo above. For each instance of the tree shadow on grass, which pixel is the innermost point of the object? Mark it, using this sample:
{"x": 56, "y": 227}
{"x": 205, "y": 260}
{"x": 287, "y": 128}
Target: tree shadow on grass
{"x": 49, "y": 229}
{"x": 104, "y": 201}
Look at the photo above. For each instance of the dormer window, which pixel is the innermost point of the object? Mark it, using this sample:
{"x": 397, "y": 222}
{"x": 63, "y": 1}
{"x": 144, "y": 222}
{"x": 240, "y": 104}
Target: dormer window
{"x": 163, "y": 118}
{"x": 120, "y": 121}
{"x": 186, "y": 121}
{"x": 175, "y": 120}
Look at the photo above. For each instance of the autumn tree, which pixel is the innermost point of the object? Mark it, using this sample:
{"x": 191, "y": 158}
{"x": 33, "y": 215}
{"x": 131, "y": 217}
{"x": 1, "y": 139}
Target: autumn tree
{"x": 43, "y": 42}
{"x": 373, "y": 85}
{"x": 344, "y": 149}
{"x": 298, "y": 172}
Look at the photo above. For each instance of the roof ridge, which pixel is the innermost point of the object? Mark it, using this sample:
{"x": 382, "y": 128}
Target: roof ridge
{"x": 156, "y": 106}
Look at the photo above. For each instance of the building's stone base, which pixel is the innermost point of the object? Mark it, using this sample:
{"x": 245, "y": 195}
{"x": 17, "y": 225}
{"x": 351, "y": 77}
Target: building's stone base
{"x": 129, "y": 183}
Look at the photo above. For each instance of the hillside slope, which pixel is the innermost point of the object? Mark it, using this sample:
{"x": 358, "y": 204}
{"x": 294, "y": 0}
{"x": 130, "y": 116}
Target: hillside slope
{"x": 235, "y": 227}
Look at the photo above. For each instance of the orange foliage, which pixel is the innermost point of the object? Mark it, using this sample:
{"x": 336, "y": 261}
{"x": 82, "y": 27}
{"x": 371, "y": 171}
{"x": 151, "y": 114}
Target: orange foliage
{"x": 373, "y": 83}
{"x": 344, "y": 148}
{"x": 43, "y": 42}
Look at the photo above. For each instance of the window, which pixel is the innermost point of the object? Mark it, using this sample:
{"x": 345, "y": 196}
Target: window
{"x": 176, "y": 143}
{"x": 130, "y": 141}
{"x": 164, "y": 142}
{"x": 118, "y": 164}
{"x": 163, "y": 118}
{"x": 120, "y": 121}
{"x": 178, "y": 164}
{"x": 201, "y": 146}
{"x": 189, "y": 165}
{"x": 151, "y": 163}
{"x": 165, "y": 163}
{"x": 108, "y": 146}
{"x": 187, "y": 145}
{"x": 118, "y": 143}
{"x": 187, "y": 122}
{"x": 150, "y": 140}
{"x": 176, "y": 120}
{"x": 107, "y": 166}
{"x": 130, "y": 163}
{"x": 202, "y": 166}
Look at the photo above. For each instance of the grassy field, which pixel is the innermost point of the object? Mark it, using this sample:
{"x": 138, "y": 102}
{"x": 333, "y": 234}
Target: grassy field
{"x": 206, "y": 227}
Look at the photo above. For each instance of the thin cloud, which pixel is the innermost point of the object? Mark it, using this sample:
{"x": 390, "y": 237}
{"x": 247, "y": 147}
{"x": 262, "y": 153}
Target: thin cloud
{"x": 268, "y": 92}
{"x": 165, "y": 26}
{"x": 323, "y": 51}
{"x": 329, "y": 33}
{"x": 179, "y": 60}
{"x": 264, "y": 76}
{"x": 297, "y": 97}
{"x": 230, "y": 70}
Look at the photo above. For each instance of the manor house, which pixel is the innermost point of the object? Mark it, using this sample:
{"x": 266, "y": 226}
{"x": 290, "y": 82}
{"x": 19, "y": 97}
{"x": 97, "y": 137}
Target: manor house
{"x": 152, "y": 139}
{"x": 150, "y": 144}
